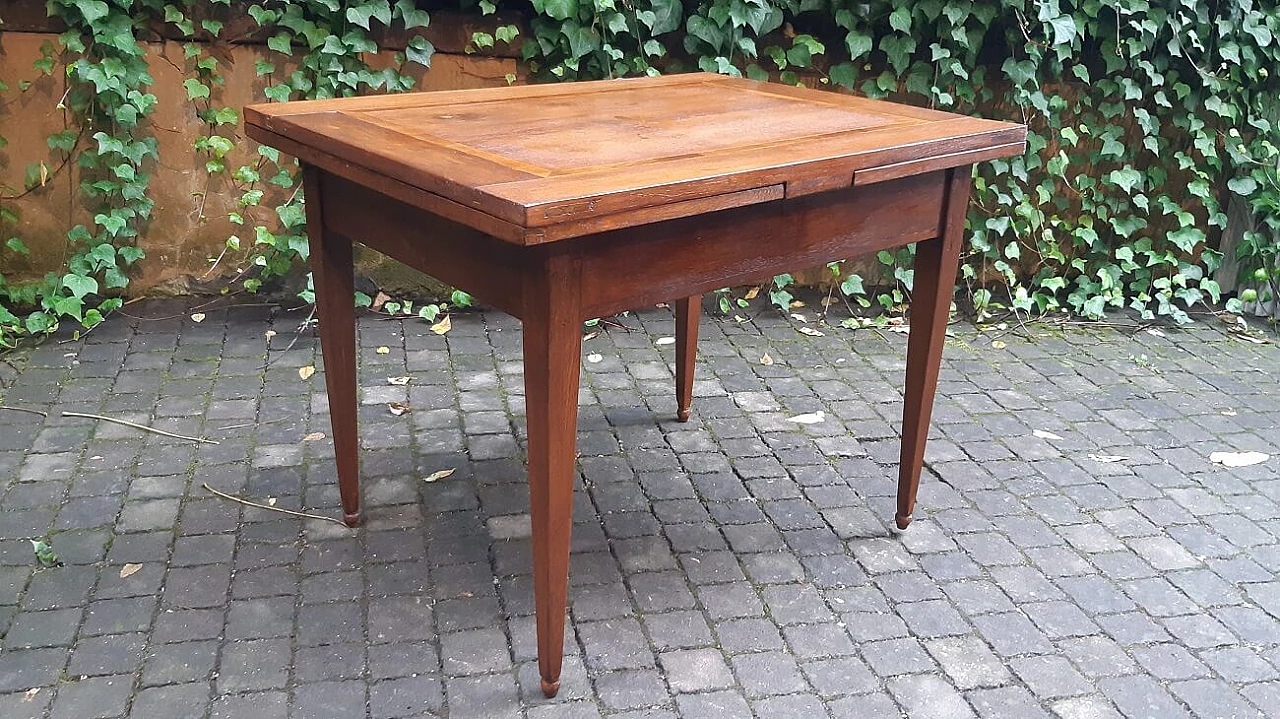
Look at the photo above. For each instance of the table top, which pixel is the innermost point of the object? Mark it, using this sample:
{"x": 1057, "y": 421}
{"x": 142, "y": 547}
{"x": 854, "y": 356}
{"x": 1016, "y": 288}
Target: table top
{"x": 538, "y": 163}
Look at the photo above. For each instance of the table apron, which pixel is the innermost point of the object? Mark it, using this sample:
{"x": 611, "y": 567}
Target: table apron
{"x": 641, "y": 265}
{"x": 458, "y": 255}
{"x": 627, "y": 268}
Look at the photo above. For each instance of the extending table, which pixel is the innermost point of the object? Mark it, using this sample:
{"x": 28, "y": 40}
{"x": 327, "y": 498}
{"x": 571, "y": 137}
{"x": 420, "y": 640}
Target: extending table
{"x": 560, "y": 203}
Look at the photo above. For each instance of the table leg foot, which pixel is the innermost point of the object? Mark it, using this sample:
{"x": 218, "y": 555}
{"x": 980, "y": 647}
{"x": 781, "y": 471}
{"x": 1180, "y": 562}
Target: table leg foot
{"x": 351, "y": 519}
{"x": 550, "y": 689}
{"x": 687, "y": 310}
{"x": 903, "y": 521}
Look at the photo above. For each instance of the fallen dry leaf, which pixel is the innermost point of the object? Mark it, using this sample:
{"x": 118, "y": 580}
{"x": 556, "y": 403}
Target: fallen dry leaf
{"x": 398, "y": 408}
{"x": 313, "y": 437}
{"x": 129, "y": 570}
{"x": 811, "y": 418}
{"x": 306, "y": 372}
{"x": 442, "y": 326}
{"x": 797, "y": 304}
{"x": 399, "y": 381}
{"x": 810, "y": 331}
{"x": 751, "y": 294}
{"x": 799, "y": 317}
{"x": 998, "y": 345}
{"x": 739, "y": 319}
{"x": 1107, "y": 458}
{"x": 381, "y": 299}
{"x": 590, "y": 336}
{"x": 437, "y": 476}
{"x": 766, "y": 360}
{"x": 1045, "y": 435}
{"x": 197, "y": 317}
{"x": 665, "y": 341}
{"x": 1238, "y": 459}
{"x": 383, "y": 350}
{"x": 594, "y": 357}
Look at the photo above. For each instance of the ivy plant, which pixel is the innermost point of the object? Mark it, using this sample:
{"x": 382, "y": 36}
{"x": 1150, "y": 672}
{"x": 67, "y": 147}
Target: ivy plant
{"x": 1147, "y": 118}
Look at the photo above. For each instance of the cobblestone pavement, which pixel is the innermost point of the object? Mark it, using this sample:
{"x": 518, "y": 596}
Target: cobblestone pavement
{"x": 1075, "y": 553}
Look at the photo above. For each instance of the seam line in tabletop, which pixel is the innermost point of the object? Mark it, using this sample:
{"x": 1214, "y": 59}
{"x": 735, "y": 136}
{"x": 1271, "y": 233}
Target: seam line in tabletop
{"x": 372, "y": 118}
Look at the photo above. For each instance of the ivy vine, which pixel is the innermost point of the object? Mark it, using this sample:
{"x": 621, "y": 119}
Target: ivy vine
{"x": 1148, "y": 119}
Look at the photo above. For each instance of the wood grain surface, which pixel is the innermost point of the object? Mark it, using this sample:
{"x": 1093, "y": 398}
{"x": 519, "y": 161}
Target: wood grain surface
{"x": 546, "y": 163}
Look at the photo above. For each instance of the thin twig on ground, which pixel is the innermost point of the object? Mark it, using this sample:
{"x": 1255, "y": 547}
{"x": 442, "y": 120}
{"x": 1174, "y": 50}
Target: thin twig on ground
{"x": 268, "y": 507}
{"x": 24, "y": 409}
{"x": 301, "y": 328}
{"x": 142, "y": 427}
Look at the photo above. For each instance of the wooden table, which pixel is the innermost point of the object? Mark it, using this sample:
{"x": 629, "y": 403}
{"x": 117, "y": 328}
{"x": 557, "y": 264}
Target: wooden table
{"x": 559, "y": 203}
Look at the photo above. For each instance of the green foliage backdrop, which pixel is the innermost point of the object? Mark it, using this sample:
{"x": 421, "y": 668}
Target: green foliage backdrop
{"x": 1146, "y": 118}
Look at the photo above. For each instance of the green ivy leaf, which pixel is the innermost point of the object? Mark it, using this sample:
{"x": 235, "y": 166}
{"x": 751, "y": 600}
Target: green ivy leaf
{"x": 1187, "y": 238}
{"x": 1064, "y": 29}
{"x": 195, "y": 89}
{"x": 80, "y": 285}
{"x": 92, "y": 10}
{"x": 281, "y": 42}
{"x": 582, "y": 40}
{"x": 1243, "y": 186}
{"x": 1126, "y": 178}
{"x": 361, "y": 14}
{"x": 412, "y": 16}
{"x": 900, "y": 19}
{"x": 667, "y": 15}
{"x": 557, "y": 9}
{"x": 844, "y": 74}
{"x": 419, "y": 50}
{"x": 858, "y": 44}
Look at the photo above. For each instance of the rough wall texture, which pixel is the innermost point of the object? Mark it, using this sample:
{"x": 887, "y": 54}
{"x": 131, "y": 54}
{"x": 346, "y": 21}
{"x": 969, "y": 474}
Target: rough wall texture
{"x": 179, "y": 244}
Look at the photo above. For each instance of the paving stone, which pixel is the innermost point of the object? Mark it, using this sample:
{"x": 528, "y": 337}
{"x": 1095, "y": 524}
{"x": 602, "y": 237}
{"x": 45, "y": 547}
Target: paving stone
{"x": 253, "y": 665}
{"x": 715, "y": 705}
{"x": 191, "y": 701}
{"x": 631, "y": 689}
{"x": 114, "y": 654}
{"x": 179, "y": 663}
{"x": 968, "y": 662}
{"x": 53, "y": 628}
{"x": 329, "y": 700}
{"x": 678, "y": 630}
{"x": 928, "y": 697}
{"x": 1050, "y": 677}
{"x": 791, "y": 705}
{"x": 1141, "y": 696}
{"x": 92, "y": 698}
{"x": 767, "y": 673}
{"x": 475, "y": 651}
{"x": 482, "y": 697}
{"x": 695, "y": 670}
{"x": 1006, "y": 703}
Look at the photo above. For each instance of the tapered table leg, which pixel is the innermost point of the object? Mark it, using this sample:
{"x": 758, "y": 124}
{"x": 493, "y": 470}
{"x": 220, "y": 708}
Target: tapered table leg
{"x": 935, "y": 272}
{"x": 687, "y": 311}
{"x": 331, "y": 271}
{"x": 552, "y": 364}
